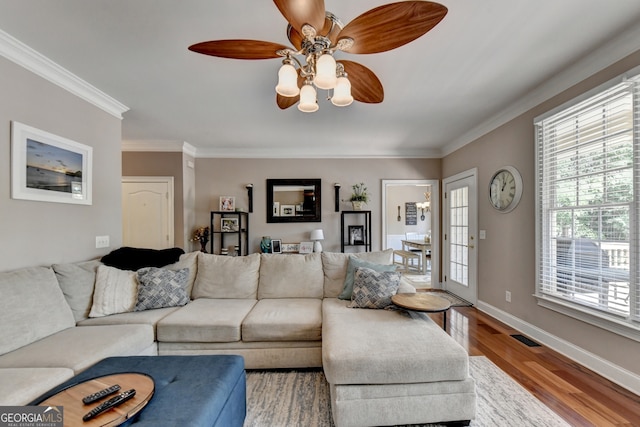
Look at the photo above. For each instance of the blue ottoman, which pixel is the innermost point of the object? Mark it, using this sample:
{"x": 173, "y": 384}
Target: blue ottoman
{"x": 189, "y": 390}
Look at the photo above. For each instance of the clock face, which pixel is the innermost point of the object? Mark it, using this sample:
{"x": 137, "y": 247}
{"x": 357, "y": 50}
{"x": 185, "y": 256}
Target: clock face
{"x": 505, "y": 189}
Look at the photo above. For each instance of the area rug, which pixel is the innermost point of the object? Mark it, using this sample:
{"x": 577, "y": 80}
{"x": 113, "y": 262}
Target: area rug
{"x": 301, "y": 398}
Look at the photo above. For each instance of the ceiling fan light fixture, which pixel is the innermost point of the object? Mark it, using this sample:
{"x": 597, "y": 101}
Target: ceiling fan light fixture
{"x": 308, "y": 102}
{"x": 287, "y": 81}
{"x": 342, "y": 93}
{"x": 325, "y": 77}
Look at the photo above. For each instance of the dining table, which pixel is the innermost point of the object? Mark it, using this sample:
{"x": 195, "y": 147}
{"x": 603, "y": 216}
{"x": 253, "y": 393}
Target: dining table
{"x": 424, "y": 247}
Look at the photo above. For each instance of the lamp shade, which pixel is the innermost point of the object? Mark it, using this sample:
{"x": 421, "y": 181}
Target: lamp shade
{"x": 342, "y": 93}
{"x": 325, "y": 77}
{"x": 317, "y": 235}
{"x": 287, "y": 81}
{"x": 308, "y": 103}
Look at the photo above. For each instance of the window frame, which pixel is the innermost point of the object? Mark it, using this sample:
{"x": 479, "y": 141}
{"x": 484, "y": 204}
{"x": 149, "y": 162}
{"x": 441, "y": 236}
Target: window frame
{"x": 628, "y": 326}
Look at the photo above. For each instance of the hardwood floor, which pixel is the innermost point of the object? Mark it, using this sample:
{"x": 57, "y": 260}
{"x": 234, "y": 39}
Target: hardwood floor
{"x": 577, "y": 394}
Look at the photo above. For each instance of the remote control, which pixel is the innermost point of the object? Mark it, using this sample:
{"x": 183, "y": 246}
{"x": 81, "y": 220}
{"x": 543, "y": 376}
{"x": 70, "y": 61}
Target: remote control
{"x": 111, "y": 403}
{"x": 100, "y": 394}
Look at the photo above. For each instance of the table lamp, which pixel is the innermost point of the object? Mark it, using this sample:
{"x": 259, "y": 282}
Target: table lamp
{"x": 316, "y": 236}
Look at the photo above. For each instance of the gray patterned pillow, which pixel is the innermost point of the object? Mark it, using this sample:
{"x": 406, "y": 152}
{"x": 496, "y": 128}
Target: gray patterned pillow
{"x": 374, "y": 289}
{"x": 159, "y": 287}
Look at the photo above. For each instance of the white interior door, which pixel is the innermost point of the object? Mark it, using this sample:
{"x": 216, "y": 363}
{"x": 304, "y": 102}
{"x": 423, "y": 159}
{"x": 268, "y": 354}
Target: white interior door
{"x": 460, "y": 235}
{"x": 147, "y": 212}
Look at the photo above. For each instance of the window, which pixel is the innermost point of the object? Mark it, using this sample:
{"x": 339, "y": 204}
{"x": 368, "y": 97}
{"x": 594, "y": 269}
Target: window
{"x": 587, "y": 202}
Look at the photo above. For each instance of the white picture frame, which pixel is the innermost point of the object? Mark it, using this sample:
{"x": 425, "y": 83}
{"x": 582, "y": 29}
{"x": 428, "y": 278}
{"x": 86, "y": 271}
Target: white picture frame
{"x": 49, "y": 168}
{"x": 276, "y": 208}
{"x": 227, "y": 203}
{"x": 228, "y": 225}
{"x": 290, "y": 247}
{"x": 287, "y": 210}
{"x": 306, "y": 247}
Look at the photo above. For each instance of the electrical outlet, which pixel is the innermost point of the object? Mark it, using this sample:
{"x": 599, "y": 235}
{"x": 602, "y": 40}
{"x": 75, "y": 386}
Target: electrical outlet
{"x": 102, "y": 242}
{"x": 507, "y": 295}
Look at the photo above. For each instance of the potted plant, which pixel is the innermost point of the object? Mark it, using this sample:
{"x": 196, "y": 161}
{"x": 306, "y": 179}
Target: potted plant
{"x": 359, "y": 196}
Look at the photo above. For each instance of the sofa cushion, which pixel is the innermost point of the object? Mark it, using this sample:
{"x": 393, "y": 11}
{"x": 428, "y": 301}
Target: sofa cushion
{"x": 116, "y": 291}
{"x": 147, "y": 317}
{"x": 19, "y": 386}
{"x": 77, "y": 281}
{"x": 290, "y": 276}
{"x": 286, "y": 319}
{"x": 78, "y": 348}
{"x": 334, "y": 266}
{"x": 160, "y": 287}
{"x": 374, "y": 289}
{"x": 415, "y": 349}
{"x": 206, "y": 320}
{"x": 227, "y": 277}
{"x": 33, "y": 304}
{"x": 352, "y": 265}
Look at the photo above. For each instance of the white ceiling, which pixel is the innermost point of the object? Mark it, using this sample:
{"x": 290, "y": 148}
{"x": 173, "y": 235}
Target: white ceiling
{"x": 470, "y": 73}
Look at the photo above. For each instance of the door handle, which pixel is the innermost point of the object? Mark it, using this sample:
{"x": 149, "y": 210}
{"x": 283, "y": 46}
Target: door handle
{"x": 472, "y": 246}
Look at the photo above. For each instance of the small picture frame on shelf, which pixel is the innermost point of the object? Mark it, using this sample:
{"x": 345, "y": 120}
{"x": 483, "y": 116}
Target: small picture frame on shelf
{"x": 290, "y": 247}
{"x": 287, "y": 210}
{"x": 276, "y": 246}
{"x": 356, "y": 234}
{"x": 306, "y": 247}
{"x": 227, "y": 203}
{"x": 228, "y": 225}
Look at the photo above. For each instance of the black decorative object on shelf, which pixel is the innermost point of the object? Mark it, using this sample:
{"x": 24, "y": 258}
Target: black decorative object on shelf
{"x": 230, "y": 229}
{"x": 355, "y": 231}
{"x": 249, "y": 188}
{"x": 336, "y": 187}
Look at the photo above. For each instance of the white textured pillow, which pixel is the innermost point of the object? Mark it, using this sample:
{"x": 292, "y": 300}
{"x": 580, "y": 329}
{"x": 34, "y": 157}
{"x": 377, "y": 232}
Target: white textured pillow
{"x": 116, "y": 291}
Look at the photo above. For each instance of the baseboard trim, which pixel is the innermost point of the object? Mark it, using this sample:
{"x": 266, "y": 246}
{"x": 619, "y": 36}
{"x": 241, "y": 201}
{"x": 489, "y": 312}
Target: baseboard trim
{"x": 603, "y": 367}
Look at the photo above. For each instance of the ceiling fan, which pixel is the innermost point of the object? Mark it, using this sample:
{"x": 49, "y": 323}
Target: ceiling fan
{"x": 317, "y": 34}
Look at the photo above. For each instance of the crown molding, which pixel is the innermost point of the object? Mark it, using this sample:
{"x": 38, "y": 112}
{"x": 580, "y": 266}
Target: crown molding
{"x": 599, "y": 59}
{"x": 159, "y": 146}
{"x": 18, "y": 52}
{"x": 268, "y": 153}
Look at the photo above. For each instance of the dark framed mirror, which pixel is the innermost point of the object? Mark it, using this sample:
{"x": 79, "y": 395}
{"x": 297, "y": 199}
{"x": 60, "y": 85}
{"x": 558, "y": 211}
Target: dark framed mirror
{"x": 293, "y": 200}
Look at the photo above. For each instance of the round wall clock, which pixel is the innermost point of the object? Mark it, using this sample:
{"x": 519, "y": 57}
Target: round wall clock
{"x": 505, "y": 189}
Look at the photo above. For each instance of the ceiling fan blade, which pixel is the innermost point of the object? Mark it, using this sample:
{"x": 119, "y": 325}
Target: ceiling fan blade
{"x": 365, "y": 85}
{"x": 300, "y": 12}
{"x": 285, "y": 102}
{"x": 328, "y": 30}
{"x": 239, "y": 49}
{"x": 392, "y": 25}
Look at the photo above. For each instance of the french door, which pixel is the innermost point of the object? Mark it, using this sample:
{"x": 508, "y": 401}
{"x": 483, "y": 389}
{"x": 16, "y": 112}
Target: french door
{"x": 460, "y": 235}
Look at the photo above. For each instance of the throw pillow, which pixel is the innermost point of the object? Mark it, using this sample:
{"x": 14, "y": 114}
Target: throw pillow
{"x": 115, "y": 291}
{"x": 160, "y": 287}
{"x": 373, "y": 289}
{"x": 353, "y": 264}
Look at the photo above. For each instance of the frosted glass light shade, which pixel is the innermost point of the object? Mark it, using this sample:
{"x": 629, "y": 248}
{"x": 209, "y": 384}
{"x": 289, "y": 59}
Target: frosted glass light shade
{"x": 308, "y": 103}
{"x": 287, "y": 81}
{"x": 342, "y": 93}
{"x": 325, "y": 72}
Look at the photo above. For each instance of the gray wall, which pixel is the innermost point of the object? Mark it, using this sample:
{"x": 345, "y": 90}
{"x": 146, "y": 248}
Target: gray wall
{"x": 40, "y": 233}
{"x": 506, "y": 259}
{"x": 228, "y": 177}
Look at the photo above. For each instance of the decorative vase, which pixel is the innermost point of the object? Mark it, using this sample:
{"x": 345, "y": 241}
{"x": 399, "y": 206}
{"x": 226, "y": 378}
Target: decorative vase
{"x": 203, "y": 244}
{"x": 265, "y": 244}
{"x": 357, "y": 205}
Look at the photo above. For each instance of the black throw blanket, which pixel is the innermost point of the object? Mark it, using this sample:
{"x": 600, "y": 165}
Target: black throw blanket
{"x": 127, "y": 258}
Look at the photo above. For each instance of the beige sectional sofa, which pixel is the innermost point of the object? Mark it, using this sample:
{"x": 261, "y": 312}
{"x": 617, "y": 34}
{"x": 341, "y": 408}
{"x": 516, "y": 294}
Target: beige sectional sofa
{"x": 384, "y": 367}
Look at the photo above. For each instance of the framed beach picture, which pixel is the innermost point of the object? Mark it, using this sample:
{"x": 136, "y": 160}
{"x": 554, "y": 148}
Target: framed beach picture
{"x": 227, "y": 203}
{"x": 49, "y": 168}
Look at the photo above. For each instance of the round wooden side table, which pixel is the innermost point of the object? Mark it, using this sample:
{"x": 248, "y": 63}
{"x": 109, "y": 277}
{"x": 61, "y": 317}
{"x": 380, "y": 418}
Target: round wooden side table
{"x": 423, "y": 302}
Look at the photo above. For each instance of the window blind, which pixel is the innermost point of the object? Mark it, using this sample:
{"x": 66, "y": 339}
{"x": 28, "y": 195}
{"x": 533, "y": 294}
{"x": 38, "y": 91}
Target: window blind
{"x": 588, "y": 179}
